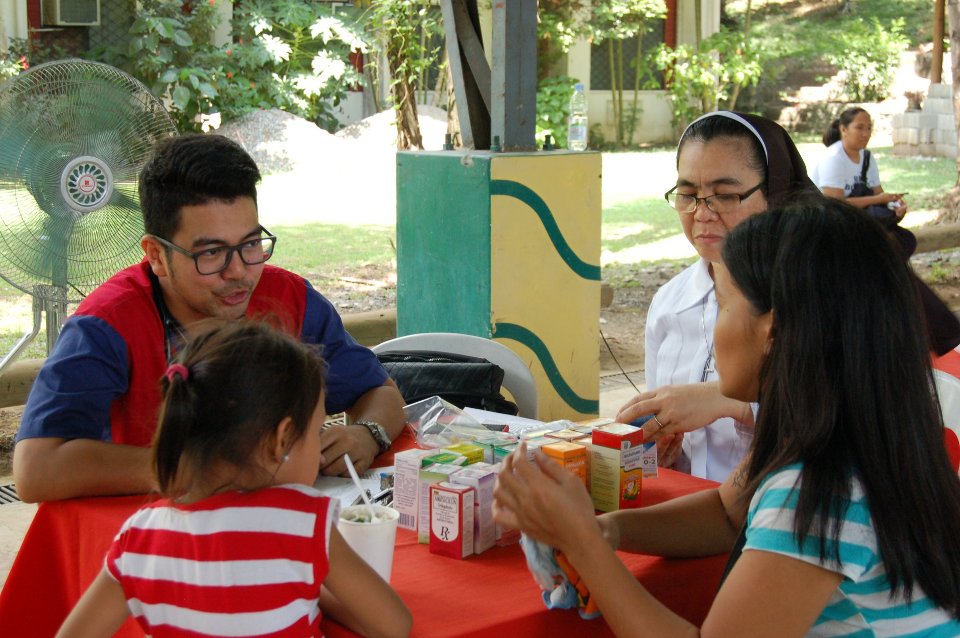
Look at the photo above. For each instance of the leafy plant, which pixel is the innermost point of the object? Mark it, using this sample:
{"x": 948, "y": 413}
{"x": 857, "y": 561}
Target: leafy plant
{"x": 699, "y": 80}
{"x": 403, "y": 28}
{"x": 288, "y": 54}
{"x": 867, "y": 55}
{"x": 553, "y": 108}
{"x": 170, "y": 51}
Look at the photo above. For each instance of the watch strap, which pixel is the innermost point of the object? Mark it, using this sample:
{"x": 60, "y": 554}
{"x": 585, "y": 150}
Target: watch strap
{"x": 378, "y": 433}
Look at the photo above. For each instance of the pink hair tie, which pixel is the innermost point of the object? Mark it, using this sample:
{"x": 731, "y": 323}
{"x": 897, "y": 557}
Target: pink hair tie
{"x": 177, "y": 369}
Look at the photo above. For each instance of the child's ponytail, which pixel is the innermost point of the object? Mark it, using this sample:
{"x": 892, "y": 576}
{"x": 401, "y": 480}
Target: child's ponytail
{"x": 225, "y": 394}
{"x": 176, "y": 415}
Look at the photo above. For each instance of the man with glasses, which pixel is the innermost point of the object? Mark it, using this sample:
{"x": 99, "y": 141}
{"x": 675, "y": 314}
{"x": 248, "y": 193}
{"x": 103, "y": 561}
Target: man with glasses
{"x": 92, "y": 412}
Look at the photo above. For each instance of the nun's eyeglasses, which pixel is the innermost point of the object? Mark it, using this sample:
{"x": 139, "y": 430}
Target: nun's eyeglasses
{"x": 721, "y": 203}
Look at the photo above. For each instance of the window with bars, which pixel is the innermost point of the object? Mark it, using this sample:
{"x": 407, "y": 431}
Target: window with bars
{"x": 600, "y": 71}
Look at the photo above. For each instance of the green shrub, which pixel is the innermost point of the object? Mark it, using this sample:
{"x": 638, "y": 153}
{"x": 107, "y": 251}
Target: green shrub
{"x": 553, "y": 108}
{"x": 287, "y": 54}
{"x": 868, "y": 54}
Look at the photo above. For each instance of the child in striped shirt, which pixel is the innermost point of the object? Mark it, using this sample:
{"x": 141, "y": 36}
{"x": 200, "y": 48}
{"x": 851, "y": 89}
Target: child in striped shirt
{"x": 240, "y": 544}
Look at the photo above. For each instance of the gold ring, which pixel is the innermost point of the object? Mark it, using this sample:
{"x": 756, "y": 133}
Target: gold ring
{"x": 658, "y": 423}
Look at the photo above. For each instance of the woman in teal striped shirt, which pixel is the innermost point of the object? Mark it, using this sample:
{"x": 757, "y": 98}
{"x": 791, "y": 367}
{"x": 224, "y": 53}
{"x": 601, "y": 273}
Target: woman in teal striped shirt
{"x": 849, "y": 507}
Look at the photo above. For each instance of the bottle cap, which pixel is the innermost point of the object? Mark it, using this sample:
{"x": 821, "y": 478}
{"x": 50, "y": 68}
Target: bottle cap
{"x": 578, "y": 86}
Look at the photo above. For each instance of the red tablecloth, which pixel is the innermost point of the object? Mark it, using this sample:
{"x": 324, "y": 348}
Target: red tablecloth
{"x": 64, "y": 549}
{"x": 950, "y": 363}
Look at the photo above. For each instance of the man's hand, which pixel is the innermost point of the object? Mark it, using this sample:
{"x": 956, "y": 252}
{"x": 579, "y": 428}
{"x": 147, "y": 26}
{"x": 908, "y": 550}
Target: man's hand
{"x": 354, "y": 440}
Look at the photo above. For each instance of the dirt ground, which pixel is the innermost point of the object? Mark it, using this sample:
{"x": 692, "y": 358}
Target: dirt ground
{"x": 621, "y": 324}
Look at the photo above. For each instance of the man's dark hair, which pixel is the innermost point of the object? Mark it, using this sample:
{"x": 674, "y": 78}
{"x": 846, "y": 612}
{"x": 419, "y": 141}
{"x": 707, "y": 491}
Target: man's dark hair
{"x": 190, "y": 170}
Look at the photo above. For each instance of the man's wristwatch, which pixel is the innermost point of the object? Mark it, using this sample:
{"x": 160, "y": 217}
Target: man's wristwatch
{"x": 379, "y": 434}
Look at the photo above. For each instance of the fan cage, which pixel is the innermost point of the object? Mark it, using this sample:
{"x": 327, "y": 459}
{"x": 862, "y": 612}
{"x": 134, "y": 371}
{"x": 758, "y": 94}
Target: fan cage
{"x": 76, "y": 134}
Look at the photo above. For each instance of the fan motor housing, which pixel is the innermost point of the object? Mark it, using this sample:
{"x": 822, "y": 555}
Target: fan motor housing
{"x": 86, "y": 183}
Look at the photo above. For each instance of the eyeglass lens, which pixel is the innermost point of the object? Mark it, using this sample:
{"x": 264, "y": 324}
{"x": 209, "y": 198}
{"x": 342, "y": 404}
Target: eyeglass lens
{"x": 253, "y": 252}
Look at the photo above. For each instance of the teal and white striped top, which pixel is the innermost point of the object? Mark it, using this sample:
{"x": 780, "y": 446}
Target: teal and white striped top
{"x": 861, "y": 606}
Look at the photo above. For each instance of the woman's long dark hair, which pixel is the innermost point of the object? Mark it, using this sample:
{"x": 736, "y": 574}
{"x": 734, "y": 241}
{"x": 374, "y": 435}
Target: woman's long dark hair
{"x": 832, "y": 134}
{"x": 242, "y": 378}
{"x": 847, "y": 388}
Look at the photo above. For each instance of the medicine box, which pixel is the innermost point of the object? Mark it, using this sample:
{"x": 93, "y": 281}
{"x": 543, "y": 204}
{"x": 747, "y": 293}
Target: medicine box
{"x": 472, "y": 453}
{"x": 430, "y": 475}
{"x": 616, "y": 467}
{"x": 568, "y": 435}
{"x": 444, "y": 456}
{"x": 451, "y": 519}
{"x": 482, "y": 480}
{"x": 504, "y": 536}
{"x": 572, "y": 456}
{"x": 406, "y": 481}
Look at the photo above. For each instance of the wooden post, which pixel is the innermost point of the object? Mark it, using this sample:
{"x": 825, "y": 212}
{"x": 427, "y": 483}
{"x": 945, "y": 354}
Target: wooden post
{"x": 514, "y": 92}
{"x": 469, "y": 70}
{"x": 936, "y": 65}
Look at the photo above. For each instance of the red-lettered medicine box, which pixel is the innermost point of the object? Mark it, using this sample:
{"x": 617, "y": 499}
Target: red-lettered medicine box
{"x": 616, "y": 467}
{"x": 451, "y": 519}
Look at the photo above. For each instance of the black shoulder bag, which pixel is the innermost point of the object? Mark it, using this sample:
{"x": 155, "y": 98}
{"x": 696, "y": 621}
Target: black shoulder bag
{"x": 879, "y": 212}
{"x": 462, "y": 380}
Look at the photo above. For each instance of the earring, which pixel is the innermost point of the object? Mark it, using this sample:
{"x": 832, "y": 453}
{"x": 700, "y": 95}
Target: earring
{"x": 284, "y": 459}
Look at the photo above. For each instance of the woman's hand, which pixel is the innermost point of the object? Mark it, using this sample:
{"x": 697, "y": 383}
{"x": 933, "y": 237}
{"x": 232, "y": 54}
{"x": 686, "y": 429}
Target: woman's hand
{"x": 680, "y": 408}
{"x": 544, "y": 501}
{"x": 669, "y": 447}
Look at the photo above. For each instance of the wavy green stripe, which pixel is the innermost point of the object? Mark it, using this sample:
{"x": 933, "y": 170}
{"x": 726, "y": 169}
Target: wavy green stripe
{"x": 532, "y": 341}
{"x": 526, "y": 195}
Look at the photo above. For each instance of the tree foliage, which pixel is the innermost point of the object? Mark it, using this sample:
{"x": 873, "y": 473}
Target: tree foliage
{"x": 403, "y": 29}
{"x": 287, "y": 54}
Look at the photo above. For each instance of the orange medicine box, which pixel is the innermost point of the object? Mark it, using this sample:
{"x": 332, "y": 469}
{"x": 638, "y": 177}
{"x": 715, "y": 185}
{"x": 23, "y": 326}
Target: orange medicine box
{"x": 616, "y": 467}
{"x": 451, "y": 519}
{"x": 572, "y": 456}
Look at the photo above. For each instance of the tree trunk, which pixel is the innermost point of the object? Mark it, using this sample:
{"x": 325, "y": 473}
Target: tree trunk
{"x": 405, "y": 105}
{"x": 620, "y": 84}
{"x": 697, "y": 24}
{"x": 746, "y": 42}
{"x": 951, "y": 207}
{"x": 953, "y": 18}
{"x": 613, "y": 89}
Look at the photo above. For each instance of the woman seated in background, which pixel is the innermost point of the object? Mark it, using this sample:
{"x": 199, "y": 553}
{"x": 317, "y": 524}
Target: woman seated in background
{"x": 849, "y": 507}
{"x": 729, "y": 166}
{"x": 849, "y": 172}
{"x": 843, "y": 174}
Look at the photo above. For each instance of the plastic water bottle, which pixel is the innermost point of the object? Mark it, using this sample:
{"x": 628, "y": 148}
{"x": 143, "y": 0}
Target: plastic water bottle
{"x": 577, "y": 130}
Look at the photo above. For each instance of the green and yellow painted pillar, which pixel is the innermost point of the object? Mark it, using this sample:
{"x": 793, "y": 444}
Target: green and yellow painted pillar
{"x": 507, "y": 246}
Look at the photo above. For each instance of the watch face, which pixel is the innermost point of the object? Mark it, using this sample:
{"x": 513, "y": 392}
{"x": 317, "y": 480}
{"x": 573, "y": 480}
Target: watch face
{"x": 379, "y": 434}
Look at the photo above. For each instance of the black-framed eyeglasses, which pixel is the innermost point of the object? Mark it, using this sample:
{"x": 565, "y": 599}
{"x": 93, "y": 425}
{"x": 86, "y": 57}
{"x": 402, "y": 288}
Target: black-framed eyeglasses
{"x": 721, "y": 203}
{"x": 211, "y": 261}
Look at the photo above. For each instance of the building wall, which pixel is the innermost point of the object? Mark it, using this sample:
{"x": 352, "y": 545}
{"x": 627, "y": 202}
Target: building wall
{"x": 655, "y": 124}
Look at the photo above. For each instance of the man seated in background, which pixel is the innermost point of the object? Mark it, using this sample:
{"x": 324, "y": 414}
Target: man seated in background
{"x": 91, "y": 414}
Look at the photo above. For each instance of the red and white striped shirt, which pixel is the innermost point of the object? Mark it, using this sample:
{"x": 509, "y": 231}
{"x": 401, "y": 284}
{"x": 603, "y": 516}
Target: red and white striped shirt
{"x": 234, "y": 564}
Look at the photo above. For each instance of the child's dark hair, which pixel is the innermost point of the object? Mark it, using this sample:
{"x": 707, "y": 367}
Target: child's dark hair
{"x": 190, "y": 170}
{"x": 832, "y": 134}
{"x": 229, "y": 388}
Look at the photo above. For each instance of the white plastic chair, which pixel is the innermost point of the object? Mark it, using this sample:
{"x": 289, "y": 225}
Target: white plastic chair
{"x": 948, "y": 389}
{"x": 517, "y": 378}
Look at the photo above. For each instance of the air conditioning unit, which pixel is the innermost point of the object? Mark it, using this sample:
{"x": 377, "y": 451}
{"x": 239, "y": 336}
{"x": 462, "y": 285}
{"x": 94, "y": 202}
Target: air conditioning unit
{"x": 71, "y": 13}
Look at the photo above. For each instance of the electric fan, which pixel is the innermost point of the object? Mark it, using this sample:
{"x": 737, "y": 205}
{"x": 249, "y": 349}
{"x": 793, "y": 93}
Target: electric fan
{"x": 73, "y": 137}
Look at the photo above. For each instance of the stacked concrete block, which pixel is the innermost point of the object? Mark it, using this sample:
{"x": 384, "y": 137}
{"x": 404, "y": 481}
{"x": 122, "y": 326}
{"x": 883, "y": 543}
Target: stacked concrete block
{"x": 930, "y": 131}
